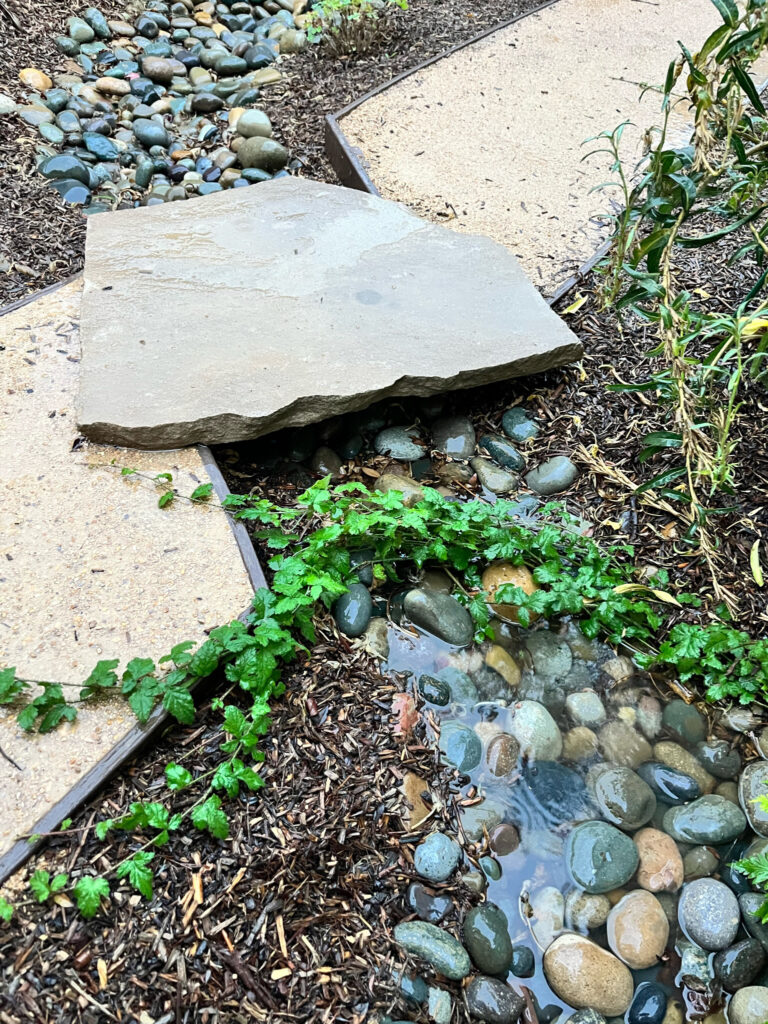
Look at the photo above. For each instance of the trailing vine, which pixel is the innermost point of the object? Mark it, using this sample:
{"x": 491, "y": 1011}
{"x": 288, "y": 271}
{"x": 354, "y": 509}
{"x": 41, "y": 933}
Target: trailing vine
{"x": 315, "y": 548}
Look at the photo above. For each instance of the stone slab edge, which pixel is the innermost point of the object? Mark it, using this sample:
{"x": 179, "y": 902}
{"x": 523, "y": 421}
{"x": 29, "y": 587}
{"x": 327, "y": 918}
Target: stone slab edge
{"x": 137, "y": 737}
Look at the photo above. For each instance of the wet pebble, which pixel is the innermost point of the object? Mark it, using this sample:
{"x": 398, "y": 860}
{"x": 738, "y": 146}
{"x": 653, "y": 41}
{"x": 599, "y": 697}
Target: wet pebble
{"x": 454, "y": 436}
{"x": 753, "y": 784}
{"x": 352, "y": 611}
{"x": 523, "y": 962}
{"x": 710, "y": 819}
{"x": 586, "y": 911}
{"x": 411, "y": 491}
{"x": 588, "y": 977}
{"x": 548, "y": 910}
{"x": 738, "y": 965}
{"x": 685, "y": 723}
{"x": 584, "y": 707}
{"x": 496, "y": 576}
{"x": 749, "y": 904}
{"x": 669, "y": 785}
{"x": 649, "y": 1004}
{"x": 600, "y": 857}
{"x": 434, "y": 945}
{"x": 749, "y": 1006}
{"x": 699, "y": 862}
{"x": 536, "y": 731}
{"x": 492, "y": 477}
{"x": 486, "y": 938}
{"x": 399, "y": 443}
{"x": 638, "y": 929}
{"x": 502, "y": 452}
{"x": 460, "y": 746}
{"x": 709, "y": 913}
{"x": 441, "y": 615}
{"x": 502, "y": 754}
{"x": 269, "y": 155}
{"x": 719, "y": 758}
{"x": 518, "y": 424}
{"x": 493, "y": 1002}
{"x": 677, "y": 757}
{"x": 437, "y": 857}
{"x": 622, "y": 796}
{"x": 434, "y": 691}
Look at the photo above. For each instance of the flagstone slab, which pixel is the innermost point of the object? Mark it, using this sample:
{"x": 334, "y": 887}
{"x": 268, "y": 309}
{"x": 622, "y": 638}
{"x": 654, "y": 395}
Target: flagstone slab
{"x": 289, "y": 302}
{"x": 90, "y": 567}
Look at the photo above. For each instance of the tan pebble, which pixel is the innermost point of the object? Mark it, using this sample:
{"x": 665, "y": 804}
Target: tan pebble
{"x": 674, "y": 1014}
{"x": 162, "y": 106}
{"x": 615, "y": 896}
{"x": 579, "y": 744}
{"x": 621, "y": 744}
{"x": 218, "y": 28}
{"x": 35, "y": 79}
{"x": 503, "y": 663}
{"x": 628, "y": 715}
{"x": 619, "y": 668}
{"x": 229, "y": 177}
{"x": 203, "y": 18}
{"x": 234, "y": 116}
{"x": 638, "y": 930}
{"x": 112, "y": 86}
{"x": 661, "y": 866}
{"x": 496, "y": 576}
{"x": 588, "y": 977}
{"x": 675, "y": 756}
{"x": 122, "y": 28}
{"x": 413, "y": 789}
{"x": 182, "y": 154}
{"x": 266, "y": 76}
{"x": 585, "y": 911}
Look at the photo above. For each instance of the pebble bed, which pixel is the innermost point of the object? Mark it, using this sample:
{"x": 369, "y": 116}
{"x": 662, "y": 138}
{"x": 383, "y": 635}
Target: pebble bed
{"x": 162, "y": 105}
{"x": 599, "y": 813}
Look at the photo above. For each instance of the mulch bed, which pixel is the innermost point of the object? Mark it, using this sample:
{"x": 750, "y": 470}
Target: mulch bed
{"x": 42, "y": 240}
{"x": 287, "y": 920}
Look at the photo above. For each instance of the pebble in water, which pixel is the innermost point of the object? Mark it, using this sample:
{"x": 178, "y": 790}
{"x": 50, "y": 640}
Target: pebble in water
{"x": 600, "y": 857}
{"x": 486, "y": 938}
{"x": 441, "y": 615}
{"x": 749, "y": 1006}
{"x": 490, "y": 1000}
{"x": 638, "y": 929}
{"x": 739, "y": 965}
{"x": 588, "y": 977}
{"x": 649, "y": 1004}
{"x": 428, "y": 907}
{"x": 536, "y": 731}
{"x": 753, "y": 784}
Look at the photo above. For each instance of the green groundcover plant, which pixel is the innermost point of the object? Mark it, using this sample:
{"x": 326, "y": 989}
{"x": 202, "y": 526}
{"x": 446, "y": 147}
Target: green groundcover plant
{"x": 311, "y": 545}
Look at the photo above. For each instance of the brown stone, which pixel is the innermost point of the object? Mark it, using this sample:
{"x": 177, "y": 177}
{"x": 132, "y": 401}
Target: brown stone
{"x": 588, "y": 977}
{"x": 504, "y": 839}
{"x": 675, "y": 756}
{"x": 503, "y": 663}
{"x": 501, "y": 757}
{"x": 517, "y": 575}
{"x": 638, "y": 930}
{"x": 35, "y": 79}
{"x": 623, "y": 745}
{"x": 661, "y": 866}
{"x": 112, "y": 86}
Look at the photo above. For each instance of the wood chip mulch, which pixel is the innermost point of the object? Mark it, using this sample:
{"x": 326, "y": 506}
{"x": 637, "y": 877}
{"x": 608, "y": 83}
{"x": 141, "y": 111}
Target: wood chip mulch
{"x": 287, "y": 920}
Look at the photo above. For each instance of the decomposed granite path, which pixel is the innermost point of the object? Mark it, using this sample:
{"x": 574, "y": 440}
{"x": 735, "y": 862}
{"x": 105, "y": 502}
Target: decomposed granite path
{"x": 90, "y": 567}
{"x": 490, "y": 139}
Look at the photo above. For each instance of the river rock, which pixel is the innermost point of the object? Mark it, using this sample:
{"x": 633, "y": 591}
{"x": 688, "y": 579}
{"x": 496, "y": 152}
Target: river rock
{"x": 433, "y": 690}
{"x": 584, "y": 707}
{"x": 493, "y": 1002}
{"x": 97, "y": 21}
{"x": 579, "y": 744}
{"x": 434, "y": 945}
{"x": 492, "y": 477}
{"x": 441, "y": 615}
{"x": 412, "y": 492}
{"x": 638, "y": 930}
{"x": 480, "y": 818}
{"x": 150, "y": 133}
{"x": 588, "y": 977}
{"x": 661, "y": 866}
{"x": 719, "y": 758}
{"x": 548, "y": 909}
{"x": 677, "y": 757}
{"x": 558, "y": 792}
{"x": 399, "y": 443}
{"x": 749, "y": 1006}
{"x": 752, "y": 785}
{"x": 649, "y": 1004}
{"x": 491, "y": 685}
{"x": 710, "y": 819}
{"x": 585, "y": 911}
{"x": 428, "y": 907}
{"x": 518, "y": 424}
{"x": 552, "y": 476}
{"x": 461, "y": 746}
{"x": 80, "y": 30}
{"x": 63, "y": 166}
{"x": 486, "y": 938}
{"x": 414, "y": 790}
{"x": 709, "y": 913}
{"x": 623, "y": 745}
{"x": 551, "y": 654}
{"x": 437, "y": 857}
{"x": 740, "y": 964}
{"x": 504, "y": 664}
{"x": 622, "y": 796}
{"x": 685, "y": 722}
{"x": 699, "y": 862}
{"x": 352, "y": 611}
{"x": 523, "y": 962}
{"x": 502, "y": 754}
{"x": 668, "y": 784}
{"x": 454, "y": 436}
{"x": 504, "y": 839}
{"x": 266, "y": 154}
{"x": 495, "y": 576}
{"x": 600, "y": 857}
{"x": 503, "y": 452}
{"x": 439, "y": 1002}
{"x": 462, "y": 689}
{"x": 536, "y": 731}
{"x": 34, "y": 78}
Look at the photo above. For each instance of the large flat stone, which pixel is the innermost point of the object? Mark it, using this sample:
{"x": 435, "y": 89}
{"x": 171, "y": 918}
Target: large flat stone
{"x": 288, "y": 302}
